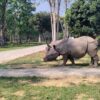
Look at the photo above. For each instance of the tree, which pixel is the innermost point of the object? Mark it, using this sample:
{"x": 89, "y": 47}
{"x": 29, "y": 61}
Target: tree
{"x": 3, "y": 5}
{"x": 83, "y": 17}
{"x": 19, "y": 13}
{"x": 66, "y": 33}
{"x": 54, "y": 8}
{"x": 41, "y": 24}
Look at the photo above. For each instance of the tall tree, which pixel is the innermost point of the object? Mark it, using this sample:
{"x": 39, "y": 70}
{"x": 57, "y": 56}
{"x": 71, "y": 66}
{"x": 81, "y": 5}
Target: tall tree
{"x": 54, "y": 8}
{"x": 41, "y": 23}
{"x": 3, "y": 5}
{"x": 66, "y": 32}
{"x": 83, "y": 17}
{"x": 19, "y": 13}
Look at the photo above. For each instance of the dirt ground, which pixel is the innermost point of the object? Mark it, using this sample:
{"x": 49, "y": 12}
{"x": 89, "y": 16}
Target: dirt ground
{"x": 60, "y": 76}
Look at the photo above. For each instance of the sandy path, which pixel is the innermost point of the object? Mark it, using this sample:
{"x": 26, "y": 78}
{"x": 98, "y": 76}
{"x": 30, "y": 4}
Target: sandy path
{"x": 6, "y": 56}
{"x": 58, "y": 72}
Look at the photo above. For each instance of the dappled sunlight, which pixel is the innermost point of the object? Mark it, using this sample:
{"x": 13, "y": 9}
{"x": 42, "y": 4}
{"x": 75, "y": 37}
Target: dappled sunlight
{"x": 19, "y": 93}
{"x": 35, "y": 88}
{"x": 2, "y": 98}
{"x": 82, "y": 97}
{"x": 71, "y": 80}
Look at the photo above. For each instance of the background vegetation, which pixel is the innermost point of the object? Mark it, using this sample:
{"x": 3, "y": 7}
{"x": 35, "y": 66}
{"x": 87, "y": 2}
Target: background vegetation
{"x": 20, "y": 24}
{"x": 83, "y": 17}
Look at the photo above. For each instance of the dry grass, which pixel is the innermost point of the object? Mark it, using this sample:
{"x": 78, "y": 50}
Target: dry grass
{"x": 67, "y": 81}
{"x": 2, "y": 98}
{"x": 82, "y": 97}
{"x": 19, "y": 93}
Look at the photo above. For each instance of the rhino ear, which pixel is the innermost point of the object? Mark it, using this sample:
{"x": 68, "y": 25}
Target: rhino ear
{"x": 54, "y": 46}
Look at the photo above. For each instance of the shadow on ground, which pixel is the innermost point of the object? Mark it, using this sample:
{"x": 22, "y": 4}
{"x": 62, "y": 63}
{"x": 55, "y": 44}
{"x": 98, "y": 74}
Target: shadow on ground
{"x": 32, "y": 65}
{"x": 76, "y": 65}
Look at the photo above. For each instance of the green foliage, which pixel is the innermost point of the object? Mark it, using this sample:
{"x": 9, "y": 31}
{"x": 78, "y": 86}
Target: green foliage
{"x": 83, "y": 17}
{"x": 41, "y": 22}
{"x": 22, "y": 23}
{"x": 18, "y": 14}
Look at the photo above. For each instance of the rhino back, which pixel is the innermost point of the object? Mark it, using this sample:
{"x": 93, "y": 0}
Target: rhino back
{"x": 78, "y": 47}
{"x": 83, "y": 45}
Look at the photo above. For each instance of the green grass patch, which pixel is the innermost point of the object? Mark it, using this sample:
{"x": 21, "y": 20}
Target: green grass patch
{"x": 36, "y": 60}
{"x": 30, "y": 61}
{"x": 23, "y": 89}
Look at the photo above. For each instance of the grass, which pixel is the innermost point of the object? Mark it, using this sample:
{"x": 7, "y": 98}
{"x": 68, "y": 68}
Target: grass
{"x": 30, "y": 61}
{"x": 36, "y": 60}
{"x": 24, "y": 89}
{"x": 18, "y": 46}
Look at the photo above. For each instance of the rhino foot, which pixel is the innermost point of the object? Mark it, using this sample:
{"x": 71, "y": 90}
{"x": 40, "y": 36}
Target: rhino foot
{"x": 95, "y": 65}
{"x": 64, "y": 64}
{"x": 90, "y": 64}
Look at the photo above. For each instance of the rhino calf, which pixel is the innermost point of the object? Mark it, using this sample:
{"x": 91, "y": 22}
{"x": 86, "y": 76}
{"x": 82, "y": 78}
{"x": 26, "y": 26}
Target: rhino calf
{"x": 73, "y": 48}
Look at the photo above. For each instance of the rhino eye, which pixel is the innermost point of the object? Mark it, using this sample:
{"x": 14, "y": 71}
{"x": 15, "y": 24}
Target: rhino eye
{"x": 48, "y": 49}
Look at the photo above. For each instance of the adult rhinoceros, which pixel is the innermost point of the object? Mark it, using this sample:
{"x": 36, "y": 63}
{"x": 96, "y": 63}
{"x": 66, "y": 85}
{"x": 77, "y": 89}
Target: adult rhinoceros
{"x": 72, "y": 48}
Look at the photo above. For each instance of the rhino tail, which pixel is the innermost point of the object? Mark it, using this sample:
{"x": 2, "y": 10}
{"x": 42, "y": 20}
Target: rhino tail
{"x": 86, "y": 47}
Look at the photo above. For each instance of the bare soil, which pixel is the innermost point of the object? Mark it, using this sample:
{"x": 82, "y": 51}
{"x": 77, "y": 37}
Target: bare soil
{"x": 59, "y": 76}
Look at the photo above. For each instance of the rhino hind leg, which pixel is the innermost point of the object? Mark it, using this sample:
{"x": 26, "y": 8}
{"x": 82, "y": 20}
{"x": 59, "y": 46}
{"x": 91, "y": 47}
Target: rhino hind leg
{"x": 96, "y": 59}
{"x": 94, "y": 56}
{"x": 92, "y": 62}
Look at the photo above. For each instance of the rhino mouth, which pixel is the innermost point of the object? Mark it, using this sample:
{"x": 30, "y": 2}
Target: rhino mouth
{"x": 50, "y": 58}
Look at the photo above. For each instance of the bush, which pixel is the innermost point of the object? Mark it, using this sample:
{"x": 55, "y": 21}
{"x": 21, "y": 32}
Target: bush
{"x": 98, "y": 38}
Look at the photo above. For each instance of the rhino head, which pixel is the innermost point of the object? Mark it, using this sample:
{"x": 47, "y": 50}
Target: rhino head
{"x": 51, "y": 53}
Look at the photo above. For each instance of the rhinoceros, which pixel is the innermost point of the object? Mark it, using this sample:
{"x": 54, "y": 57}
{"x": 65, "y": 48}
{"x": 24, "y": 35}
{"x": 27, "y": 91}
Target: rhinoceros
{"x": 73, "y": 48}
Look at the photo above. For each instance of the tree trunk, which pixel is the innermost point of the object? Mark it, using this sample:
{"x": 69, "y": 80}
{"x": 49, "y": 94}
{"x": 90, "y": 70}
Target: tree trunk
{"x": 54, "y": 7}
{"x": 66, "y": 32}
{"x": 3, "y": 23}
{"x": 54, "y": 28}
{"x": 39, "y": 38}
{"x": 58, "y": 11}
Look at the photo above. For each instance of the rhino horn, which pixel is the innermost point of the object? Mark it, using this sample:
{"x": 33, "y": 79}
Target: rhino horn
{"x": 48, "y": 44}
{"x": 46, "y": 41}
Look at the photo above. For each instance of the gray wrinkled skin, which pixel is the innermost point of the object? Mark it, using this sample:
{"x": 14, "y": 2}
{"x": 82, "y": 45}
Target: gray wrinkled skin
{"x": 74, "y": 48}
{"x": 51, "y": 54}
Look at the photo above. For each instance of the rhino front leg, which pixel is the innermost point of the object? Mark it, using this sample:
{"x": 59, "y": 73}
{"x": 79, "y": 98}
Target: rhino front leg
{"x": 65, "y": 58}
{"x": 71, "y": 59}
